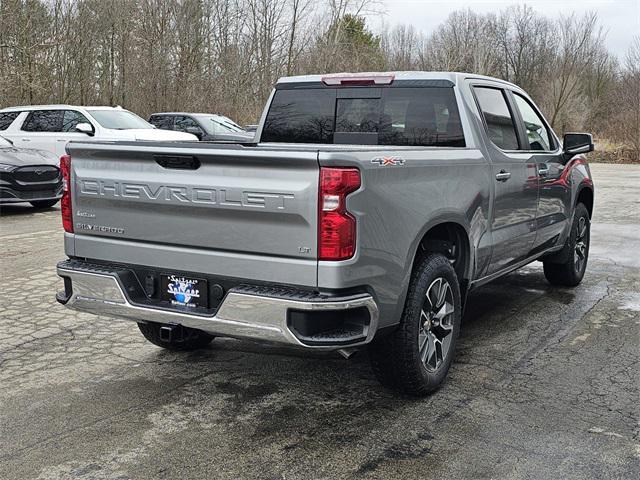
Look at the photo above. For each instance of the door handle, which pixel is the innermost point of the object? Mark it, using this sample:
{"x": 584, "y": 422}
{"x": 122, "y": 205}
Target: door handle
{"x": 543, "y": 171}
{"x": 61, "y": 140}
{"x": 503, "y": 176}
{"x": 26, "y": 140}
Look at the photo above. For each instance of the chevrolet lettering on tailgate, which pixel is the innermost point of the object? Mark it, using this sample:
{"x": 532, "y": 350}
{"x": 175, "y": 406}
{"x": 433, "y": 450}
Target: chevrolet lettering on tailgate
{"x": 183, "y": 194}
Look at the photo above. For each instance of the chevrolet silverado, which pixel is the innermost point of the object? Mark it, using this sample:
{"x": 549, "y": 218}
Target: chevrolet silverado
{"x": 364, "y": 213}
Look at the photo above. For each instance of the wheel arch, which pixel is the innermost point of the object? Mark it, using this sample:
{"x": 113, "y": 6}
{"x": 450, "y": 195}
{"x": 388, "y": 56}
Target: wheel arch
{"x": 585, "y": 196}
{"x": 450, "y": 237}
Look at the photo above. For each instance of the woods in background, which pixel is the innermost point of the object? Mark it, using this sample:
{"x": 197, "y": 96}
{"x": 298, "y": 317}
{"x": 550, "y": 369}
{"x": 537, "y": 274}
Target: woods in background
{"x": 223, "y": 56}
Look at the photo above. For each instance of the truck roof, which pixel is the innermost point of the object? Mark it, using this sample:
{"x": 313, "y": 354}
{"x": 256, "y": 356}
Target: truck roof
{"x": 453, "y": 77}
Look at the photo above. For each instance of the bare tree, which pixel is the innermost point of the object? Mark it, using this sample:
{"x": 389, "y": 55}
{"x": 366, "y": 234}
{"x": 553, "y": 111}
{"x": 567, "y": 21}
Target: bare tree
{"x": 463, "y": 43}
{"x": 626, "y": 124}
{"x": 402, "y": 46}
{"x": 527, "y": 47}
{"x": 579, "y": 38}
{"x": 224, "y": 55}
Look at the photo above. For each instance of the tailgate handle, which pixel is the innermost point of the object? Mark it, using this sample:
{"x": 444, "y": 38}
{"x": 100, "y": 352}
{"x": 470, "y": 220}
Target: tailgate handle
{"x": 180, "y": 162}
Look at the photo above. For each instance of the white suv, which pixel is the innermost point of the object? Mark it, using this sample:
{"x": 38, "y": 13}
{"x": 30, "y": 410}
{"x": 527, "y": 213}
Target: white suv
{"x": 51, "y": 127}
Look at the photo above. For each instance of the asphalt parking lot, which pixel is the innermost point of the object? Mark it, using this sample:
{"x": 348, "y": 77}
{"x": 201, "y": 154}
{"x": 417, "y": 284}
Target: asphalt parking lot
{"x": 545, "y": 383}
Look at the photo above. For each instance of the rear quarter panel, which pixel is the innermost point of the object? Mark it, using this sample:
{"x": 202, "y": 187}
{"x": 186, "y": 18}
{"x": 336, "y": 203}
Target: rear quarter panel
{"x": 396, "y": 205}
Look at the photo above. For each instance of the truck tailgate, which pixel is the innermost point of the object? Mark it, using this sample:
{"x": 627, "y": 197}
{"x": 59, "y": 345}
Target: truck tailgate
{"x": 222, "y": 198}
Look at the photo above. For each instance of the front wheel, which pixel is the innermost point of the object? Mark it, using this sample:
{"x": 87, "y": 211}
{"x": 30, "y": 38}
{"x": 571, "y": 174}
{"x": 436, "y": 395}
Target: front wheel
{"x": 569, "y": 271}
{"x": 416, "y": 357}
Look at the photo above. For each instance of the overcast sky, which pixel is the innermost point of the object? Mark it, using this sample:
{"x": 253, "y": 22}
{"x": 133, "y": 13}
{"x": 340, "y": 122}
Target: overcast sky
{"x": 620, "y": 18}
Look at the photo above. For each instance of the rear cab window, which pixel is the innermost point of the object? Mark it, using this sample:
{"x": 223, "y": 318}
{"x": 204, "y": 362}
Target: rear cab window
{"x": 395, "y": 115}
{"x": 301, "y": 116}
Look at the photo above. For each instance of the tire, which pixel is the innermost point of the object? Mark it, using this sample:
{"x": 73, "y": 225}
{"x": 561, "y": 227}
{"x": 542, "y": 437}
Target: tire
{"x": 432, "y": 315}
{"x": 568, "y": 269}
{"x": 187, "y": 339}
{"x": 44, "y": 203}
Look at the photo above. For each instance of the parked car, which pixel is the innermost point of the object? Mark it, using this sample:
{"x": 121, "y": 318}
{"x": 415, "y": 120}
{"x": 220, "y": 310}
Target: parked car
{"x": 205, "y": 126}
{"x": 28, "y": 175}
{"x": 51, "y": 127}
{"x": 371, "y": 206}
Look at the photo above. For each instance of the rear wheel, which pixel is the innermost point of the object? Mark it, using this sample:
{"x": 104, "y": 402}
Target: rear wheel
{"x": 43, "y": 203}
{"x": 568, "y": 269}
{"x": 416, "y": 357}
{"x": 175, "y": 337}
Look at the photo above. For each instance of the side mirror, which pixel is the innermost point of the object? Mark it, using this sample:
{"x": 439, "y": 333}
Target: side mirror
{"x": 85, "y": 128}
{"x": 575, "y": 143}
{"x": 194, "y": 131}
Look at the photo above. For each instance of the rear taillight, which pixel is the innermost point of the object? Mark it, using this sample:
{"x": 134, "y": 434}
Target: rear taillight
{"x": 65, "y": 202}
{"x": 336, "y": 226}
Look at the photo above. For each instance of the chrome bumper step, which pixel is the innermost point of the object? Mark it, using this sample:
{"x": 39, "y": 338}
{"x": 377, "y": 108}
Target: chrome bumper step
{"x": 252, "y": 312}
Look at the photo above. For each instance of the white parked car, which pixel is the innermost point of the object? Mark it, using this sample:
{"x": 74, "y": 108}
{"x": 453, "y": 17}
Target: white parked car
{"x": 51, "y": 127}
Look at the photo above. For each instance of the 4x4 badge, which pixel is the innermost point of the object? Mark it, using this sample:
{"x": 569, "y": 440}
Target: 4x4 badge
{"x": 387, "y": 161}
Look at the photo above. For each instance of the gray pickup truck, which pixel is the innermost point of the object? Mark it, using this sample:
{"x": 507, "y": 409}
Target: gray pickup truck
{"x": 366, "y": 211}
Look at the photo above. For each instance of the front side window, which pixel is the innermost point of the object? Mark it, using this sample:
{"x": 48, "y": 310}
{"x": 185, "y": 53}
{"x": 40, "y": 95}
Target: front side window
{"x": 426, "y": 116}
{"x": 537, "y": 133}
{"x": 163, "y": 122}
{"x": 71, "y": 118}
{"x": 187, "y": 124}
{"x": 119, "y": 119}
{"x": 44, "y": 121}
{"x": 501, "y": 128}
{"x": 7, "y": 119}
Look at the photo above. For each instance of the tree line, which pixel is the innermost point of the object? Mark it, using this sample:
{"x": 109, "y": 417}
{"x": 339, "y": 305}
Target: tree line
{"x": 223, "y": 56}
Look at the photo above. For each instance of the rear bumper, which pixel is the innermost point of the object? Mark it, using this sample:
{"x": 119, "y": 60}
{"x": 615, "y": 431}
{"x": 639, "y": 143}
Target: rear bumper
{"x": 253, "y": 312}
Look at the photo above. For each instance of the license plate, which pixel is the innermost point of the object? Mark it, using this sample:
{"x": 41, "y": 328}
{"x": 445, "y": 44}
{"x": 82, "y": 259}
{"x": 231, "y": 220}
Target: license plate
{"x": 184, "y": 291}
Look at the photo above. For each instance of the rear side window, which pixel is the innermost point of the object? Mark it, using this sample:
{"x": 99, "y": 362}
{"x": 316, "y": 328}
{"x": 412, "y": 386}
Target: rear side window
{"x": 537, "y": 133}
{"x": 426, "y": 116}
{"x": 44, "y": 121}
{"x": 7, "y": 119}
{"x": 501, "y": 128}
{"x": 164, "y": 122}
